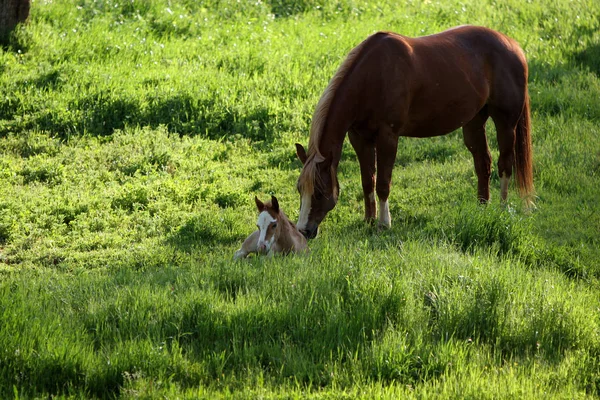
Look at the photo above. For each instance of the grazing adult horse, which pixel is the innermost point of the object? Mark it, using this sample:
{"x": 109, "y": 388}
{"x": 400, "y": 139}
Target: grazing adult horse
{"x": 392, "y": 85}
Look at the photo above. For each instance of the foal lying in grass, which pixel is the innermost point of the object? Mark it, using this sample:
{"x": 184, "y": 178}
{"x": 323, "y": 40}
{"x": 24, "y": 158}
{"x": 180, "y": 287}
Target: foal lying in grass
{"x": 275, "y": 234}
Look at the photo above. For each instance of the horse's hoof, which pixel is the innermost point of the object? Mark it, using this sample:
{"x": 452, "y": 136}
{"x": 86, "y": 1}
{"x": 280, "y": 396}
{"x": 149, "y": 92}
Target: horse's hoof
{"x": 383, "y": 227}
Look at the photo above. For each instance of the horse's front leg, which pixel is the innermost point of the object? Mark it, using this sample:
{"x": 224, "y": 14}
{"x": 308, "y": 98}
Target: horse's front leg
{"x": 387, "y": 145}
{"x": 364, "y": 146}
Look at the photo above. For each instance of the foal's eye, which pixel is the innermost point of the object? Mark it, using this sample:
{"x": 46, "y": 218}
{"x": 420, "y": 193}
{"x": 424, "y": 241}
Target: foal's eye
{"x": 274, "y": 225}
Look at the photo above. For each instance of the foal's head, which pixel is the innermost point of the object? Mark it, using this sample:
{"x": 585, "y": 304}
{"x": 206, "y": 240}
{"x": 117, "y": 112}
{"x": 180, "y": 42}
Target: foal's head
{"x": 319, "y": 190}
{"x": 268, "y": 223}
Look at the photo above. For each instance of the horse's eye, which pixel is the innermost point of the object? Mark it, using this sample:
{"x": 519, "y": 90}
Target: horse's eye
{"x": 274, "y": 225}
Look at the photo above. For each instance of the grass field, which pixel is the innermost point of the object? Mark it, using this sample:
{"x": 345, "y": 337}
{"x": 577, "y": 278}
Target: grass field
{"x": 133, "y": 138}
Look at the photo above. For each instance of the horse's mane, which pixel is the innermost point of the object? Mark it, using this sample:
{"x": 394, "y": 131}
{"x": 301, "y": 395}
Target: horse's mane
{"x": 306, "y": 182}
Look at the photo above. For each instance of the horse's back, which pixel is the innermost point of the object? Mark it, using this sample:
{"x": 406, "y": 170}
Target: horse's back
{"x": 450, "y": 75}
{"x": 459, "y": 47}
{"x": 500, "y": 58}
{"x": 483, "y": 47}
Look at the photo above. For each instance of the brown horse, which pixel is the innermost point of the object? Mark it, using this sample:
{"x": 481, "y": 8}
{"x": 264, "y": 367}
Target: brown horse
{"x": 275, "y": 234}
{"x": 390, "y": 86}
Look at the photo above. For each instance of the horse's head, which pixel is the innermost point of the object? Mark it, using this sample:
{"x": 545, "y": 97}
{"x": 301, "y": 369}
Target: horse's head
{"x": 319, "y": 190}
{"x": 268, "y": 223}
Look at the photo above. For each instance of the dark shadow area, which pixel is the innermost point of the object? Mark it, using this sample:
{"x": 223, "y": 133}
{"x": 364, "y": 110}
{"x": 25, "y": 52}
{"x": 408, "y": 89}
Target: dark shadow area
{"x": 186, "y": 115}
{"x": 204, "y": 230}
{"x": 589, "y": 57}
{"x": 106, "y": 115}
{"x": 101, "y": 115}
{"x": 486, "y": 319}
{"x": 49, "y": 79}
{"x": 9, "y": 107}
{"x": 46, "y": 80}
{"x": 563, "y": 91}
{"x": 296, "y": 339}
{"x": 18, "y": 41}
{"x": 290, "y": 8}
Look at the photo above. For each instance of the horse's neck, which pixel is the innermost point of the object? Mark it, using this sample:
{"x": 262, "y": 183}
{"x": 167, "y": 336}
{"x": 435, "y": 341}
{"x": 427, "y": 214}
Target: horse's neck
{"x": 340, "y": 118}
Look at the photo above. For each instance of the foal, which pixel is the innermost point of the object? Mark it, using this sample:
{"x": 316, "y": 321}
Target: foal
{"x": 275, "y": 234}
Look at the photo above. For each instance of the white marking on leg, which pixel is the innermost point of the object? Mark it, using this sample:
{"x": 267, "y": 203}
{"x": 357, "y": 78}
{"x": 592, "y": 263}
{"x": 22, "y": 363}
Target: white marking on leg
{"x": 504, "y": 186}
{"x": 385, "y": 219}
{"x": 304, "y": 212}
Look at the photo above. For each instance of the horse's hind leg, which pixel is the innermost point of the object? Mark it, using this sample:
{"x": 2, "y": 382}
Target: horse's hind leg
{"x": 506, "y": 144}
{"x": 364, "y": 146}
{"x": 476, "y": 141}
{"x": 506, "y": 123}
{"x": 506, "y": 108}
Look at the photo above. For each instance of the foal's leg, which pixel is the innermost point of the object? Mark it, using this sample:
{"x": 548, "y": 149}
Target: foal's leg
{"x": 250, "y": 245}
{"x": 387, "y": 145}
{"x": 364, "y": 146}
{"x": 476, "y": 141}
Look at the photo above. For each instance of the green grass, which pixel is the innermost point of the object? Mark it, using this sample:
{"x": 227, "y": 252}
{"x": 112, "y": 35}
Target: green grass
{"x": 133, "y": 137}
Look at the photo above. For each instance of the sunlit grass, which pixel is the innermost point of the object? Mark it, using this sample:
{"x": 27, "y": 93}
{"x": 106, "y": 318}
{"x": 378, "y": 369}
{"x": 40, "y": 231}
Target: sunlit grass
{"x": 133, "y": 137}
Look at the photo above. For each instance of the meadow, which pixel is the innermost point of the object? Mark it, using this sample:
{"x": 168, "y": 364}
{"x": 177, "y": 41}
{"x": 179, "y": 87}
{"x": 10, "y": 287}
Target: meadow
{"x": 134, "y": 136}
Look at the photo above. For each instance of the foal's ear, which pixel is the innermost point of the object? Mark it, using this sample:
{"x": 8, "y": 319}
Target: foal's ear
{"x": 274, "y": 204}
{"x": 301, "y": 153}
{"x": 259, "y": 204}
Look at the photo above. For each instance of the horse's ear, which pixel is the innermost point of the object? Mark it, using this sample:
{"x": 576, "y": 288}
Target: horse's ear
{"x": 259, "y": 204}
{"x": 274, "y": 204}
{"x": 301, "y": 153}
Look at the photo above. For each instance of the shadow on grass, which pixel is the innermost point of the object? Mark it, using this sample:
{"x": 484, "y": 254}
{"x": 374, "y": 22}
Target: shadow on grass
{"x": 564, "y": 87}
{"x": 295, "y": 338}
{"x": 590, "y": 56}
{"x": 45, "y": 80}
{"x": 101, "y": 114}
{"x": 206, "y": 230}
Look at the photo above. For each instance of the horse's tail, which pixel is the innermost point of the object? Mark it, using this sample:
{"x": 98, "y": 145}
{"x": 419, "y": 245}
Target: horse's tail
{"x": 524, "y": 154}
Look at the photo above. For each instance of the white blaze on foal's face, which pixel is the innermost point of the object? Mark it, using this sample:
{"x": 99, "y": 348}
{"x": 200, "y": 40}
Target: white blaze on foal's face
{"x": 266, "y": 225}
